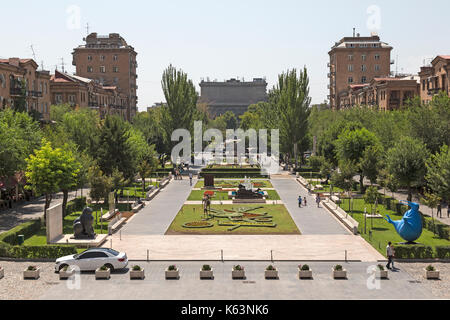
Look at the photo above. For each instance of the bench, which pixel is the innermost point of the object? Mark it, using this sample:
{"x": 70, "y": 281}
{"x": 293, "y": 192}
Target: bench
{"x": 151, "y": 194}
{"x": 109, "y": 215}
{"x": 335, "y": 199}
{"x": 137, "y": 207}
{"x": 115, "y": 224}
{"x": 342, "y": 216}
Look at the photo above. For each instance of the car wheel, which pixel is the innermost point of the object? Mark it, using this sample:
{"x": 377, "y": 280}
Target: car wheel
{"x": 62, "y": 267}
{"x": 110, "y": 267}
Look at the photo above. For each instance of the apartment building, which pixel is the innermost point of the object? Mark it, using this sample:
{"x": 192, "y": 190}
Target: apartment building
{"x": 435, "y": 78}
{"x": 387, "y": 94}
{"x": 356, "y": 61}
{"x": 112, "y": 62}
{"x": 80, "y": 92}
{"x": 21, "y": 82}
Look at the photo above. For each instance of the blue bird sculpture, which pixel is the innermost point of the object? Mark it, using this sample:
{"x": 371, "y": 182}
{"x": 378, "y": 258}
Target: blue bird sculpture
{"x": 410, "y": 227}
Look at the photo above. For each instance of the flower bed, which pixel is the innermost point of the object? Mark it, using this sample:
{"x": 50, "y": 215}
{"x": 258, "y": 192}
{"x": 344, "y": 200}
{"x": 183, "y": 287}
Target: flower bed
{"x": 198, "y": 224}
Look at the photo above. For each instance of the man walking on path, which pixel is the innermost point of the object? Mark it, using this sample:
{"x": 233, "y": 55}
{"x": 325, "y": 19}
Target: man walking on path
{"x": 318, "y": 200}
{"x": 439, "y": 210}
{"x": 305, "y": 202}
{"x": 390, "y": 255}
{"x": 190, "y": 178}
{"x": 300, "y": 199}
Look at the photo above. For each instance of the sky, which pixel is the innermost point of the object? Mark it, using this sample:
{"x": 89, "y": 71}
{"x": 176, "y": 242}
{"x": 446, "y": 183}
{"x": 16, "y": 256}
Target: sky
{"x": 243, "y": 39}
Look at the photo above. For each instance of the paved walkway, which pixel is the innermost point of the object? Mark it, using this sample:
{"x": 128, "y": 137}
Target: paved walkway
{"x": 401, "y": 285}
{"x": 310, "y": 220}
{"x": 159, "y": 213}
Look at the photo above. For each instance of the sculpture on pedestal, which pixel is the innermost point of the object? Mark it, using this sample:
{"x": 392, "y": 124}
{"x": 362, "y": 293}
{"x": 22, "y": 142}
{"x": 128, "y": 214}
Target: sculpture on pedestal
{"x": 83, "y": 226}
{"x": 410, "y": 227}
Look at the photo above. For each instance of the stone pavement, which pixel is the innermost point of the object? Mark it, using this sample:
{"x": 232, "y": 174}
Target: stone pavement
{"x": 244, "y": 247}
{"x": 310, "y": 220}
{"x": 401, "y": 284}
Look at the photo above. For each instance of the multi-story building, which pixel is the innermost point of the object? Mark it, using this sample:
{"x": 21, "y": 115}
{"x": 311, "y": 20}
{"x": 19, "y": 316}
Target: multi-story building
{"x": 386, "y": 94}
{"x": 21, "y": 82}
{"x": 82, "y": 92}
{"x": 233, "y": 95}
{"x": 111, "y": 61}
{"x": 356, "y": 60}
{"x": 435, "y": 78}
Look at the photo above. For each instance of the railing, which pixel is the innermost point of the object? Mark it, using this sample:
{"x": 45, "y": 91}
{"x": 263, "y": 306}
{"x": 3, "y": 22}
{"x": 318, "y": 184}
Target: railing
{"x": 15, "y": 91}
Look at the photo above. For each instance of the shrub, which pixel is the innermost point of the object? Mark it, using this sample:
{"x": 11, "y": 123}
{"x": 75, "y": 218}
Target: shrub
{"x": 103, "y": 268}
{"x": 136, "y": 268}
{"x": 40, "y": 252}
{"x": 32, "y": 268}
{"x": 65, "y": 268}
{"x": 271, "y": 268}
{"x": 172, "y": 268}
{"x": 26, "y": 229}
{"x": 338, "y": 267}
{"x": 430, "y": 268}
{"x": 304, "y": 267}
{"x": 413, "y": 252}
{"x": 443, "y": 252}
{"x": 380, "y": 267}
{"x": 238, "y": 268}
{"x": 206, "y": 267}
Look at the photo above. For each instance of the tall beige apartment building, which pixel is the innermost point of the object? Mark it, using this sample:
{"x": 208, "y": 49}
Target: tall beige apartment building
{"x": 111, "y": 61}
{"x": 356, "y": 60}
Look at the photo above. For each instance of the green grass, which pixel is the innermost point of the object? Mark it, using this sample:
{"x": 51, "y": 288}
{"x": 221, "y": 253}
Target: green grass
{"x": 235, "y": 183}
{"x": 191, "y": 213}
{"x": 382, "y": 231}
{"x": 40, "y": 238}
{"x": 197, "y": 195}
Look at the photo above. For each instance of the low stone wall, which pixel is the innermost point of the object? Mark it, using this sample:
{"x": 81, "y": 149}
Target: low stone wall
{"x": 343, "y": 216}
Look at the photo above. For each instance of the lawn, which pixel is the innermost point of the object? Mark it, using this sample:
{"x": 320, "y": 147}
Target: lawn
{"x": 382, "y": 231}
{"x": 40, "y": 239}
{"x": 258, "y": 183}
{"x": 194, "y": 213}
{"x": 197, "y": 195}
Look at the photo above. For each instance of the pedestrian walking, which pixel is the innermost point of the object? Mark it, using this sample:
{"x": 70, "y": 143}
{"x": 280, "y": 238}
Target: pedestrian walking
{"x": 390, "y": 254}
{"x": 318, "y": 200}
{"x": 439, "y": 210}
{"x": 190, "y": 178}
{"x": 300, "y": 199}
{"x": 448, "y": 210}
{"x": 305, "y": 202}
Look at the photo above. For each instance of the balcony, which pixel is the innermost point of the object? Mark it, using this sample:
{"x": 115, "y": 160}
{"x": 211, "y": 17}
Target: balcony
{"x": 15, "y": 91}
{"x": 35, "y": 94}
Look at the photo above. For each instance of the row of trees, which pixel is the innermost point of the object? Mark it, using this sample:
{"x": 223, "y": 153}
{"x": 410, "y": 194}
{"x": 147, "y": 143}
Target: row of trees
{"x": 406, "y": 148}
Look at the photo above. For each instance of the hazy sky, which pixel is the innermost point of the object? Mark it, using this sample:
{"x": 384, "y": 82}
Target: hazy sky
{"x": 224, "y": 39}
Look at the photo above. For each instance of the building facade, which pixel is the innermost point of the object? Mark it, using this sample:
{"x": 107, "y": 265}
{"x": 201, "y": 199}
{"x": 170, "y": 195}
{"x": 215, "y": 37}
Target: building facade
{"x": 21, "y": 81}
{"x": 356, "y": 61}
{"x": 111, "y": 61}
{"x": 435, "y": 78}
{"x": 386, "y": 94}
{"x": 232, "y": 95}
{"x": 81, "y": 92}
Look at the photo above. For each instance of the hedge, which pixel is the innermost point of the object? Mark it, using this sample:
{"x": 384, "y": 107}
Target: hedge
{"x": 251, "y": 170}
{"x": 443, "y": 252}
{"x": 413, "y": 252}
{"x": 231, "y": 174}
{"x": 27, "y": 229}
{"x": 36, "y": 252}
{"x": 435, "y": 226}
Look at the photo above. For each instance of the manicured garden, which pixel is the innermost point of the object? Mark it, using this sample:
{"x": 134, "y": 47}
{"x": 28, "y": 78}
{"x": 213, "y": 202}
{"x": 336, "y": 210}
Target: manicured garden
{"x": 257, "y": 183}
{"x": 378, "y": 232}
{"x": 197, "y": 195}
{"x": 193, "y": 215}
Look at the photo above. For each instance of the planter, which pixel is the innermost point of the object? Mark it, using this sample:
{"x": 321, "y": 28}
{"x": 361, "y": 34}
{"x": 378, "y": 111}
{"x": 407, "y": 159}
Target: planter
{"x": 137, "y": 274}
{"x": 432, "y": 275}
{"x": 208, "y": 274}
{"x": 64, "y": 275}
{"x": 174, "y": 274}
{"x": 271, "y": 274}
{"x": 383, "y": 274}
{"x": 238, "y": 274}
{"x": 102, "y": 274}
{"x": 2, "y": 272}
{"x": 305, "y": 274}
{"x": 341, "y": 274}
{"x": 32, "y": 274}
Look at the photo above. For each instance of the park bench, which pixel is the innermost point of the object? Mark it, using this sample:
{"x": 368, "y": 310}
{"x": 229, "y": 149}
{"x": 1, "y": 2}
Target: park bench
{"x": 115, "y": 224}
{"x": 109, "y": 215}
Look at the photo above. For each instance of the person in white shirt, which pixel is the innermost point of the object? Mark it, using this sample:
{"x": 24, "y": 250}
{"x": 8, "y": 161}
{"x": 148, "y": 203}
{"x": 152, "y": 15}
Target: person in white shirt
{"x": 390, "y": 254}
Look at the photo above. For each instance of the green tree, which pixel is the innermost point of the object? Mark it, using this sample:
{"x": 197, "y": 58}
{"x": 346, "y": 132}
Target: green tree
{"x": 50, "y": 170}
{"x": 371, "y": 162}
{"x": 316, "y": 162}
{"x": 68, "y": 174}
{"x": 290, "y": 101}
{"x": 344, "y": 177}
{"x": 351, "y": 146}
{"x": 406, "y": 162}
{"x": 181, "y": 103}
{"x": 100, "y": 184}
{"x": 438, "y": 173}
{"x": 371, "y": 196}
{"x": 147, "y": 165}
{"x": 326, "y": 170}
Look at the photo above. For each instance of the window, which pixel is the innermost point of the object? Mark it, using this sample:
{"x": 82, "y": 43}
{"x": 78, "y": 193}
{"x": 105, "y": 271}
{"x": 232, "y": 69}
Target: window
{"x": 377, "y": 57}
{"x": 377, "y": 67}
{"x": 363, "y": 57}
{"x": 102, "y": 69}
{"x": 89, "y": 58}
{"x": 116, "y": 57}
{"x": 350, "y": 57}
{"x": 45, "y": 88}
{"x": 90, "y": 69}
{"x": 115, "y": 69}
{"x": 102, "y": 58}
{"x": 350, "y": 68}
{"x": 363, "y": 80}
{"x": 363, "y": 68}
{"x": 350, "y": 79}
{"x": 423, "y": 85}
{"x": 58, "y": 98}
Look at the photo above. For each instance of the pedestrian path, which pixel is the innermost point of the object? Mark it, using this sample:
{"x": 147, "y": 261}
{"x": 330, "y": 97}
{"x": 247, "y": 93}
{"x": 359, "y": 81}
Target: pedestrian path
{"x": 311, "y": 220}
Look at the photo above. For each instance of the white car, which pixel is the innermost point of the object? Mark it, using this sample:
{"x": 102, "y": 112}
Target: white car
{"x": 93, "y": 259}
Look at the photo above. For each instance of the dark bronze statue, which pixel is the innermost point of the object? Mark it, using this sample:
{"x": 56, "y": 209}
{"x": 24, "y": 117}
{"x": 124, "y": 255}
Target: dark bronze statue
{"x": 243, "y": 193}
{"x": 82, "y": 227}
